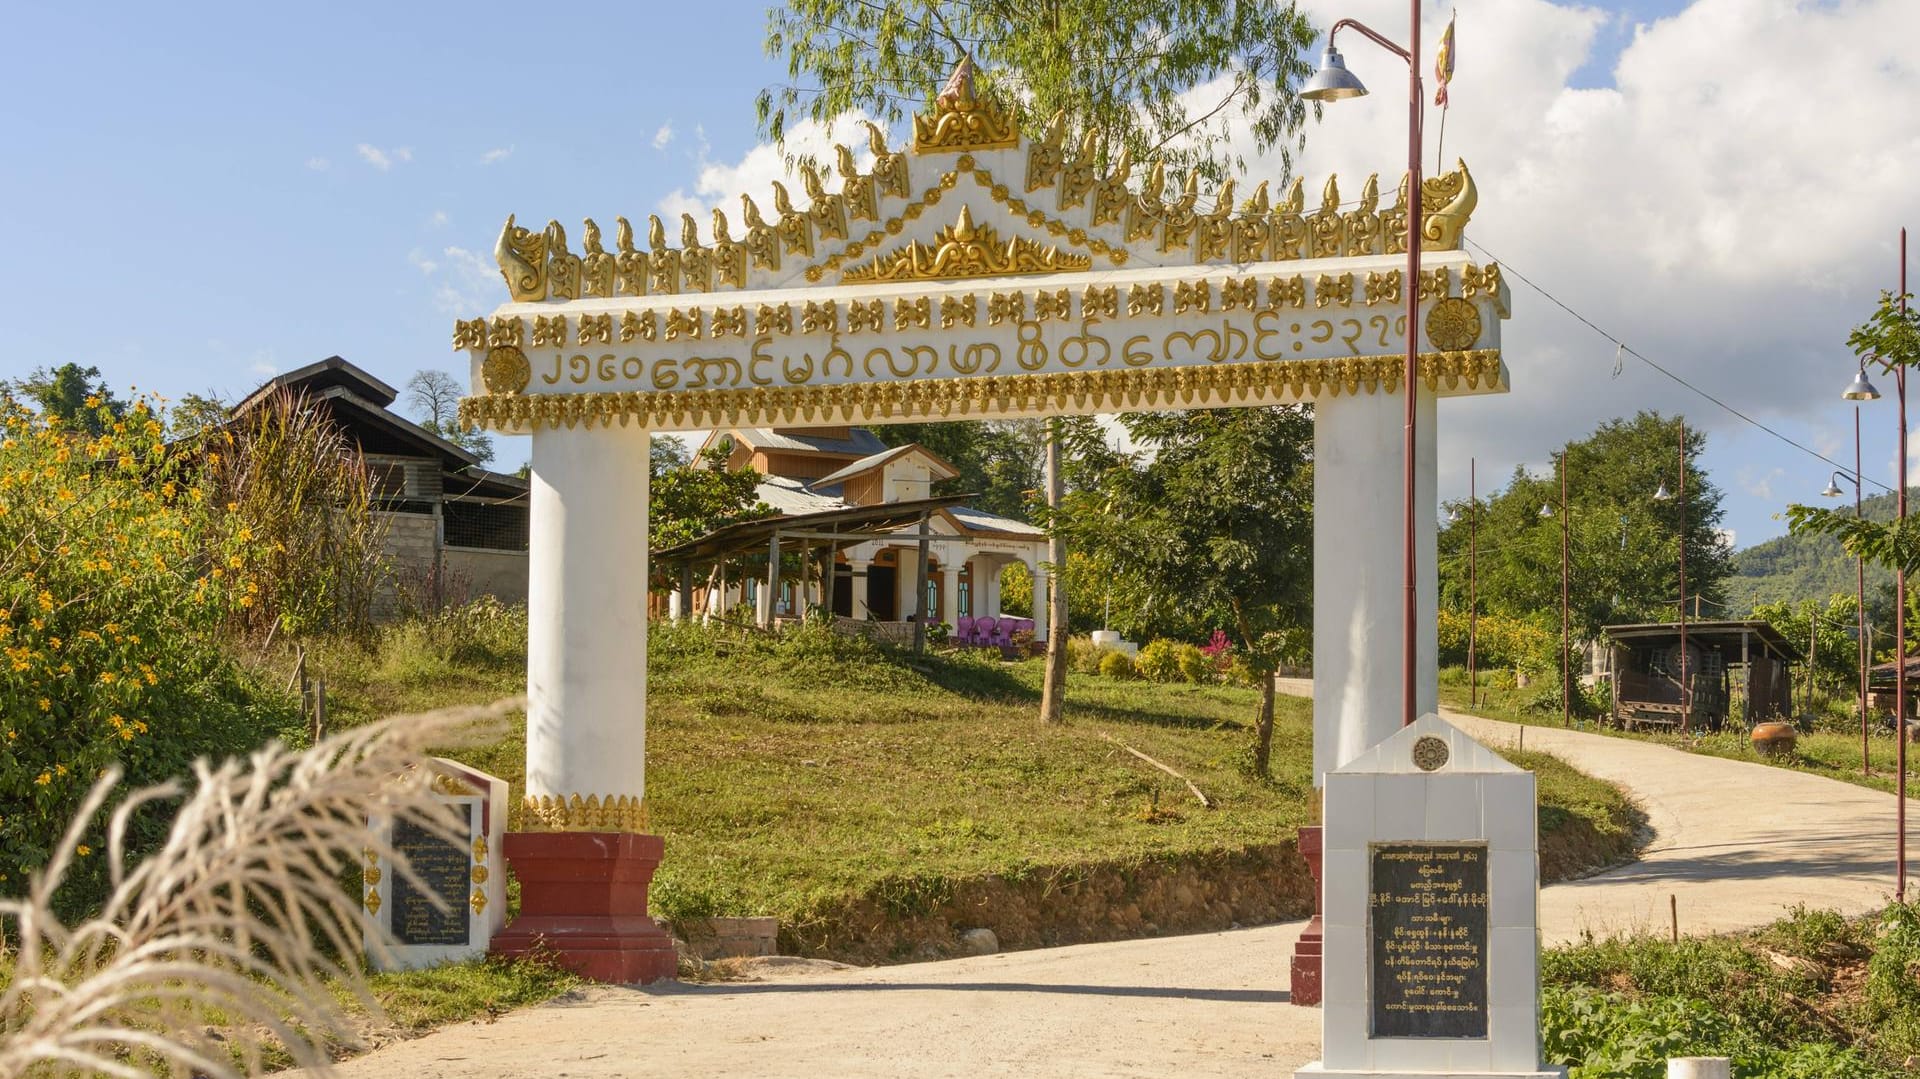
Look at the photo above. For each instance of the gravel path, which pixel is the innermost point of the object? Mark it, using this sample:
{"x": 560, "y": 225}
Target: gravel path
{"x": 1734, "y": 843}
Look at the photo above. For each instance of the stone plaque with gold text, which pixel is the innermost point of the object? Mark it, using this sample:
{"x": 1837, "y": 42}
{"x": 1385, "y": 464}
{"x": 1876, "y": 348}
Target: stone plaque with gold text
{"x": 1427, "y": 931}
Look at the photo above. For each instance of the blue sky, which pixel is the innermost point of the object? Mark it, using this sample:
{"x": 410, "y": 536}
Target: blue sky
{"x": 201, "y": 195}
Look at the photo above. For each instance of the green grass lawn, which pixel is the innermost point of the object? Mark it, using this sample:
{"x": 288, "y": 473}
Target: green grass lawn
{"x": 788, "y": 775}
{"x": 1834, "y": 754}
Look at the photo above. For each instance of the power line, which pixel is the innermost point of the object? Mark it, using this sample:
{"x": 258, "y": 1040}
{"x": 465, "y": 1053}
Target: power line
{"x": 1631, "y": 351}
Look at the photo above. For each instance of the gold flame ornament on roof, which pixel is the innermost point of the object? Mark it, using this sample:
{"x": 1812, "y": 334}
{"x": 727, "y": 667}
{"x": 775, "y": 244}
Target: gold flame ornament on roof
{"x": 962, "y": 120}
{"x": 967, "y": 250}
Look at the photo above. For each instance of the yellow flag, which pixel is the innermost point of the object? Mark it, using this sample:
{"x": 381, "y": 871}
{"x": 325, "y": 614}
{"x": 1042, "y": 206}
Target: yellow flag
{"x": 1443, "y": 64}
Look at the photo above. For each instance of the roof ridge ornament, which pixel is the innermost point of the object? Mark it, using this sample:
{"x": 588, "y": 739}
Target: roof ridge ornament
{"x": 961, "y": 120}
{"x": 966, "y": 249}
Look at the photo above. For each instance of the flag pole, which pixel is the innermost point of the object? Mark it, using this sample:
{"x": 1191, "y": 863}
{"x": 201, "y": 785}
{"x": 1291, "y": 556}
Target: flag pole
{"x": 1442, "y": 75}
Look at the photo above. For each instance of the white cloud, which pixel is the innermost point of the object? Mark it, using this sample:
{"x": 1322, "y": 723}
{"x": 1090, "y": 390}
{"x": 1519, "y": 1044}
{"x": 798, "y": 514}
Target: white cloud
{"x": 265, "y": 363}
{"x": 319, "y": 164}
{"x": 1706, "y": 208}
{"x": 383, "y": 159}
{"x": 1760, "y": 486}
{"x": 721, "y": 185}
{"x": 437, "y": 219}
{"x": 497, "y": 154}
{"x": 466, "y": 282}
{"x": 663, "y": 136}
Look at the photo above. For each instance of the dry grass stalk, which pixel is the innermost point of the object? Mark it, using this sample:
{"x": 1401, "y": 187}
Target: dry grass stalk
{"x": 231, "y": 940}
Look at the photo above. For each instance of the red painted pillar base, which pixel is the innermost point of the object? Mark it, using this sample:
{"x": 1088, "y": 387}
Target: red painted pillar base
{"x": 1305, "y": 980}
{"x": 583, "y": 900}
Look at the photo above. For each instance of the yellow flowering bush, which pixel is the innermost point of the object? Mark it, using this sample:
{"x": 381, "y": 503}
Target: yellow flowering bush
{"x": 1499, "y": 641}
{"x": 115, "y": 583}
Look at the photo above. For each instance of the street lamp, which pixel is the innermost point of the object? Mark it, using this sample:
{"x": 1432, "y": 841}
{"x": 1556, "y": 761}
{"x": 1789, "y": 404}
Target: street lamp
{"x": 1663, "y": 495}
{"x": 1333, "y": 82}
{"x": 1860, "y": 568}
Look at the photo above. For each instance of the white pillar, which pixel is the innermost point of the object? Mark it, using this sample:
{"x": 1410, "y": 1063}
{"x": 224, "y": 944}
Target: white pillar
{"x": 587, "y": 614}
{"x": 1042, "y": 601}
{"x": 857, "y": 568}
{"x": 986, "y": 585}
{"x": 906, "y": 579}
{"x": 676, "y": 606}
{"x": 1358, "y": 585}
{"x": 949, "y": 595}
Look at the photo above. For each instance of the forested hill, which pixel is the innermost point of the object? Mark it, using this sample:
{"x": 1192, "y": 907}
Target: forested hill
{"x": 1794, "y": 568}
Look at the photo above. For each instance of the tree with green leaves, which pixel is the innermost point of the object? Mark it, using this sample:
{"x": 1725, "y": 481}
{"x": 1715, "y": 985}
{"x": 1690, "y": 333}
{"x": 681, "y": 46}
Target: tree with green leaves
{"x": 1151, "y": 78}
{"x": 197, "y": 413}
{"x": 73, "y": 395}
{"x": 1623, "y": 541}
{"x": 434, "y": 397}
{"x": 999, "y": 461}
{"x": 1207, "y": 523}
{"x": 1889, "y": 340}
{"x": 690, "y": 499}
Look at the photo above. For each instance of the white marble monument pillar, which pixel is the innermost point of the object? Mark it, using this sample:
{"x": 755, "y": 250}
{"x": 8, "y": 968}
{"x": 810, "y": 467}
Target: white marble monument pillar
{"x": 1358, "y": 585}
{"x": 587, "y": 615}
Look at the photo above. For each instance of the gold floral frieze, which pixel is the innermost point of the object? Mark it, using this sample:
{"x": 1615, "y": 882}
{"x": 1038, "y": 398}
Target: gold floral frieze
{"x": 572, "y": 813}
{"x": 1257, "y": 382}
{"x": 965, "y": 249}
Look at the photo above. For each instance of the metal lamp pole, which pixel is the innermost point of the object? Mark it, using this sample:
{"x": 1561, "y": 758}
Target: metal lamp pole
{"x": 1900, "y": 624}
{"x": 1473, "y": 600}
{"x": 1566, "y": 663}
{"x": 1686, "y": 688}
{"x": 1333, "y": 82}
{"x": 1860, "y": 568}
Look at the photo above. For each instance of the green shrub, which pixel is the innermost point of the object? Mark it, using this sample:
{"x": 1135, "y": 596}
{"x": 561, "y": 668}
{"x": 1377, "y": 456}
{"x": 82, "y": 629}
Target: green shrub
{"x": 1116, "y": 664}
{"x": 1195, "y": 665}
{"x": 1083, "y": 656}
{"x": 1159, "y": 661}
{"x": 116, "y": 580}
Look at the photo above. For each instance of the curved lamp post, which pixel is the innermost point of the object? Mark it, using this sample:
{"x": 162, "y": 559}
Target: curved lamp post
{"x": 1867, "y": 393}
{"x": 1333, "y": 82}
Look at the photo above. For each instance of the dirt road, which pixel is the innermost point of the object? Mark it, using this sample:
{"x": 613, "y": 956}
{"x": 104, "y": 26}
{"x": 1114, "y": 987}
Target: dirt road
{"x": 1735, "y": 843}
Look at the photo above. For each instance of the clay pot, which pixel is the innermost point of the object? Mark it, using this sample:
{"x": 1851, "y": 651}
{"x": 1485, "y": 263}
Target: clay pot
{"x": 1774, "y": 738}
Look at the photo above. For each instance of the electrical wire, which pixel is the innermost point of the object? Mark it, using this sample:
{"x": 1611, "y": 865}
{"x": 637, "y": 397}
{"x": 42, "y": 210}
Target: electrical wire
{"x": 1622, "y": 346}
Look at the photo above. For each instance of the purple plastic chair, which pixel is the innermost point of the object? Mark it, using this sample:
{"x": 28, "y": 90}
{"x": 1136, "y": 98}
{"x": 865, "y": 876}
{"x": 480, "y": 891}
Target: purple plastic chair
{"x": 983, "y": 630}
{"x": 1003, "y": 633}
{"x": 963, "y": 630}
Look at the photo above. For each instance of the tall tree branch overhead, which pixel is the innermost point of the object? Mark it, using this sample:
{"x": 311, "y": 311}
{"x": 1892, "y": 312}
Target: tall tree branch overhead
{"x": 1130, "y": 70}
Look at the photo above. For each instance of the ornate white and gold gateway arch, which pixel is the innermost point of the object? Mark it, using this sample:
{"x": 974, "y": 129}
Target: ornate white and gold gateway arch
{"x": 975, "y": 274}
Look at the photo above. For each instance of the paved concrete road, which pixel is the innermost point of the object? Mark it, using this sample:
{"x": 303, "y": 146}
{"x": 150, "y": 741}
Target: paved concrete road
{"x": 1736, "y": 843}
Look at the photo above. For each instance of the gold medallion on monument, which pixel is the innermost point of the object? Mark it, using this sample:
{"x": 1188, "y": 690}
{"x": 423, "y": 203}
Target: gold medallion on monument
{"x": 1453, "y": 324}
{"x": 1430, "y": 753}
{"x": 506, "y": 370}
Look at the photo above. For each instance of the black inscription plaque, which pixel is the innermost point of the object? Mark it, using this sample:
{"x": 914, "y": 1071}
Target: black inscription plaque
{"x": 1427, "y": 926}
{"x": 444, "y": 868}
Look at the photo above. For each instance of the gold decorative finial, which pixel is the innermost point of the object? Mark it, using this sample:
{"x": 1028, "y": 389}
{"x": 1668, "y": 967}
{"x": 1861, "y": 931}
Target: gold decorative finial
{"x": 522, "y": 256}
{"x": 961, "y": 120}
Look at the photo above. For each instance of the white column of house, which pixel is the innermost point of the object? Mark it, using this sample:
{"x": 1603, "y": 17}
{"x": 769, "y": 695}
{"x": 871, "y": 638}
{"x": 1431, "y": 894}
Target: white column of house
{"x": 986, "y": 585}
{"x": 858, "y": 567}
{"x": 587, "y": 629}
{"x": 1042, "y": 601}
{"x": 1358, "y": 585}
{"x": 906, "y": 579}
{"x": 949, "y": 592}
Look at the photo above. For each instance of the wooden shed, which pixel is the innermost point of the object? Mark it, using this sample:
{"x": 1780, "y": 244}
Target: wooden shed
{"x": 1731, "y": 665}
